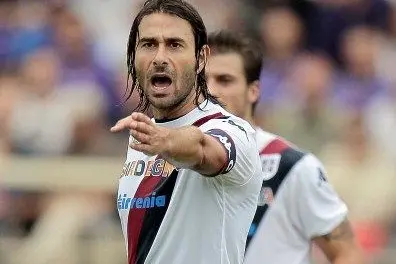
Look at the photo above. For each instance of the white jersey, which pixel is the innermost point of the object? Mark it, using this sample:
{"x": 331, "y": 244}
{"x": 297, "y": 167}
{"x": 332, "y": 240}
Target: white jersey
{"x": 173, "y": 215}
{"x": 296, "y": 204}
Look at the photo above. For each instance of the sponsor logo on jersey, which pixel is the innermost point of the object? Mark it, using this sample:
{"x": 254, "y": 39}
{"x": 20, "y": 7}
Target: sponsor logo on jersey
{"x": 127, "y": 203}
{"x": 270, "y": 165}
{"x": 155, "y": 168}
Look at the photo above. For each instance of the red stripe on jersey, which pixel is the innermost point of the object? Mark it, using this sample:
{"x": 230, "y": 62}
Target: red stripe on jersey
{"x": 276, "y": 146}
{"x": 136, "y": 216}
{"x": 153, "y": 218}
{"x": 205, "y": 119}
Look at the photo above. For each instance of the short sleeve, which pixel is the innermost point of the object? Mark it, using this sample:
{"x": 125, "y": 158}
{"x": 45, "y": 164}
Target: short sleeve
{"x": 317, "y": 208}
{"x": 237, "y": 137}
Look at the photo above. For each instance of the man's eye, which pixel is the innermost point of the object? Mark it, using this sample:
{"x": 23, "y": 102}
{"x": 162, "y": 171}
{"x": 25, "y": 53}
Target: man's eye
{"x": 175, "y": 45}
{"x": 148, "y": 45}
{"x": 224, "y": 81}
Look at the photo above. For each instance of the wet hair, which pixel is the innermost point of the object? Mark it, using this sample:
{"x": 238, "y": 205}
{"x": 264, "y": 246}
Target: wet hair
{"x": 224, "y": 41}
{"x": 184, "y": 11}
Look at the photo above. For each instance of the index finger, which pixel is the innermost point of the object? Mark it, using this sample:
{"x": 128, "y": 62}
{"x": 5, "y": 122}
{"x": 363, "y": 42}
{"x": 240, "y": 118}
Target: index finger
{"x": 121, "y": 124}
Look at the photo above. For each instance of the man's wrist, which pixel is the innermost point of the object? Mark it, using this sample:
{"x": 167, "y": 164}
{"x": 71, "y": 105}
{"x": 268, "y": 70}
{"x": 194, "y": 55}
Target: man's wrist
{"x": 178, "y": 148}
{"x": 168, "y": 144}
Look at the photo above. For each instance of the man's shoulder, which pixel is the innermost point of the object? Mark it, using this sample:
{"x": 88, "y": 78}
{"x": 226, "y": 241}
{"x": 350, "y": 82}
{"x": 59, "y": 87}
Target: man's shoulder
{"x": 279, "y": 157}
{"x": 229, "y": 123}
{"x": 305, "y": 170}
{"x": 311, "y": 165}
{"x": 263, "y": 138}
{"x": 269, "y": 143}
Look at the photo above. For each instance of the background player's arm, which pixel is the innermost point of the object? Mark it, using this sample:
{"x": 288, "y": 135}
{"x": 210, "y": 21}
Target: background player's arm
{"x": 320, "y": 213}
{"x": 340, "y": 246}
{"x": 186, "y": 147}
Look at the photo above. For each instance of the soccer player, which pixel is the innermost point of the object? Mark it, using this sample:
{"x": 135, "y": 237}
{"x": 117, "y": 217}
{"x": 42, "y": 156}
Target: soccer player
{"x": 297, "y": 205}
{"x": 189, "y": 188}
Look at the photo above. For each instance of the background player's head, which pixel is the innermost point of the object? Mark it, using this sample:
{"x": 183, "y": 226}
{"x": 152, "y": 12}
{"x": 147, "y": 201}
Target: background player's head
{"x": 233, "y": 72}
{"x": 167, "y": 54}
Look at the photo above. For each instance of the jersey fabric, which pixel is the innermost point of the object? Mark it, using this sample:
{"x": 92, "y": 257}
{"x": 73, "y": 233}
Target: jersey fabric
{"x": 296, "y": 204}
{"x": 174, "y": 215}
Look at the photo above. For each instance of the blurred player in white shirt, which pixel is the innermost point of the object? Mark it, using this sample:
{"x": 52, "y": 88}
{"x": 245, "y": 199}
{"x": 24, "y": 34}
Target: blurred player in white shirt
{"x": 297, "y": 206}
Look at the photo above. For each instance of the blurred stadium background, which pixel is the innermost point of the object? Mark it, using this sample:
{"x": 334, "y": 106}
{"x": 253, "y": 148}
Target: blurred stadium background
{"x": 328, "y": 84}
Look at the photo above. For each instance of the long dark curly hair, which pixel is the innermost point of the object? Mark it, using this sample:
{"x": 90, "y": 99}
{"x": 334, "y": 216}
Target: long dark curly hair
{"x": 185, "y": 11}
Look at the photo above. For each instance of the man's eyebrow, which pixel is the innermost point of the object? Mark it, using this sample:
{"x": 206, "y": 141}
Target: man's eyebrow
{"x": 175, "y": 39}
{"x": 224, "y": 75}
{"x": 147, "y": 39}
{"x": 169, "y": 39}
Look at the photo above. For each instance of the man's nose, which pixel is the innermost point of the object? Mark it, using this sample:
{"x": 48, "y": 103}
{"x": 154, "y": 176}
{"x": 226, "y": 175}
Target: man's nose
{"x": 161, "y": 57}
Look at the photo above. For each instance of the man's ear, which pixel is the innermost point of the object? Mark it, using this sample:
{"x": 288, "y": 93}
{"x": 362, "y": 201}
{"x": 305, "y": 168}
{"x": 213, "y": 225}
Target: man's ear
{"x": 254, "y": 92}
{"x": 203, "y": 58}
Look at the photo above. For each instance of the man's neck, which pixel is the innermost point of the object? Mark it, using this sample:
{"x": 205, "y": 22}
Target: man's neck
{"x": 179, "y": 110}
{"x": 250, "y": 120}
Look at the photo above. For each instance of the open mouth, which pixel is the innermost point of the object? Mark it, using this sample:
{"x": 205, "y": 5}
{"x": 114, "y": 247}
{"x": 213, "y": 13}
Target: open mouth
{"x": 161, "y": 81}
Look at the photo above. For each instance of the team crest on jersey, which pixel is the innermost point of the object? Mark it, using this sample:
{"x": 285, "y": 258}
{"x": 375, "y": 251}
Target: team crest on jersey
{"x": 266, "y": 196}
{"x": 155, "y": 168}
{"x": 270, "y": 165}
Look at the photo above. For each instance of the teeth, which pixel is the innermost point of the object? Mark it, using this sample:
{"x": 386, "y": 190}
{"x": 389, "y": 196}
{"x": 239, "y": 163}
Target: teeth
{"x": 161, "y": 81}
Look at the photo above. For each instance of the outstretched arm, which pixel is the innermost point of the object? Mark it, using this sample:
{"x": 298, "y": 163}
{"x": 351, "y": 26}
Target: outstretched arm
{"x": 185, "y": 147}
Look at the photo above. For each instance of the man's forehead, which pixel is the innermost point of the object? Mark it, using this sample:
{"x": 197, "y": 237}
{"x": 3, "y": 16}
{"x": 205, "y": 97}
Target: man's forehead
{"x": 225, "y": 64}
{"x": 165, "y": 26}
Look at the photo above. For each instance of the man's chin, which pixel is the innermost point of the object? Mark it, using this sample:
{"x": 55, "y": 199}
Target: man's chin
{"x": 162, "y": 102}
{"x": 166, "y": 103}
